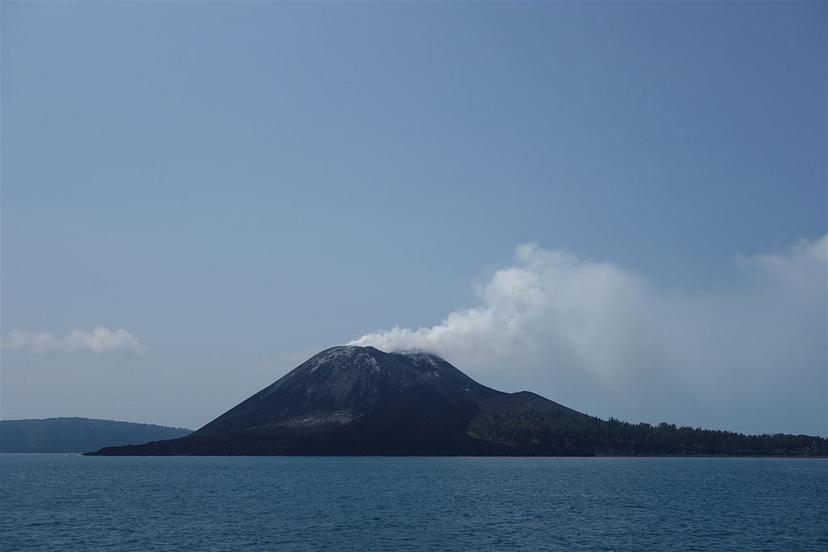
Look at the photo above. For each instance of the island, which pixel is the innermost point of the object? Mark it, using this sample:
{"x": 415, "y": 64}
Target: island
{"x": 78, "y": 434}
{"x": 351, "y": 400}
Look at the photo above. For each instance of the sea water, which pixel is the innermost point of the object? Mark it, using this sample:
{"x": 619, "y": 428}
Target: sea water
{"x": 72, "y": 502}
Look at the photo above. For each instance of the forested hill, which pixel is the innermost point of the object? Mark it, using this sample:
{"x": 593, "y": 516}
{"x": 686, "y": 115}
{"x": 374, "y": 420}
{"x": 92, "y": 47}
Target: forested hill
{"x": 544, "y": 433}
{"x": 78, "y": 434}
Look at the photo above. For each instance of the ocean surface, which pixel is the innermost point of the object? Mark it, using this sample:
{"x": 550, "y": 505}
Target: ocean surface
{"x": 71, "y": 502}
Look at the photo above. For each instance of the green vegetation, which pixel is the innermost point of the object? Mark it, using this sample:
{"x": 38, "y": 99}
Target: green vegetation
{"x": 533, "y": 432}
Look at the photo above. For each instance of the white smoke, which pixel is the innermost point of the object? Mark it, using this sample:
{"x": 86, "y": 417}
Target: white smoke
{"x": 751, "y": 358}
{"x": 98, "y": 341}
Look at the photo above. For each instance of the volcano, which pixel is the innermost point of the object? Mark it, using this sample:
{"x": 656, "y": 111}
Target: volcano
{"x": 358, "y": 401}
{"x": 352, "y": 400}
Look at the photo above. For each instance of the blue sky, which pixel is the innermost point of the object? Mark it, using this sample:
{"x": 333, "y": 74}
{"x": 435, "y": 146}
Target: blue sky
{"x": 240, "y": 184}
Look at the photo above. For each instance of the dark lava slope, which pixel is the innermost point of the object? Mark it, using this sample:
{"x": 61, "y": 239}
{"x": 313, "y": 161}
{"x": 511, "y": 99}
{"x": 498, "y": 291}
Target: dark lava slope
{"x": 357, "y": 400}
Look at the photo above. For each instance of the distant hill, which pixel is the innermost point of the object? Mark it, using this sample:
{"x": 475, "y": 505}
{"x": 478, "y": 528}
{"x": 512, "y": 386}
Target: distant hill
{"x": 78, "y": 434}
{"x": 363, "y": 401}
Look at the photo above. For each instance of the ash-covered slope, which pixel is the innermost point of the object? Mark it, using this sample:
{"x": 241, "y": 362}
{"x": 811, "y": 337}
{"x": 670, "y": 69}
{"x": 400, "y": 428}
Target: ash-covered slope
{"x": 357, "y": 400}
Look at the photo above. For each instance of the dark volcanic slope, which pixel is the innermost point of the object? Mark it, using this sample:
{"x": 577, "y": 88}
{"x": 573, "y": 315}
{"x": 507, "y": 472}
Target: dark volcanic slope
{"x": 362, "y": 401}
{"x": 342, "y": 384}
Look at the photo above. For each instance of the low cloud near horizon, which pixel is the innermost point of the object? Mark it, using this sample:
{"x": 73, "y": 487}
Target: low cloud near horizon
{"x": 595, "y": 336}
{"x": 98, "y": 341}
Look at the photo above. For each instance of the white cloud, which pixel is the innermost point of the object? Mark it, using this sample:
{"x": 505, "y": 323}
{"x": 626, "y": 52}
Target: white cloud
{"x": 98, "y": 341}
{"x": 803, "y": 266}
{"x": 752, "y": 357}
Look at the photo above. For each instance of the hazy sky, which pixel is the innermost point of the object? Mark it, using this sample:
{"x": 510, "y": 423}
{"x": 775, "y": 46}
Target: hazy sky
{"x": 196, "y": 197}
